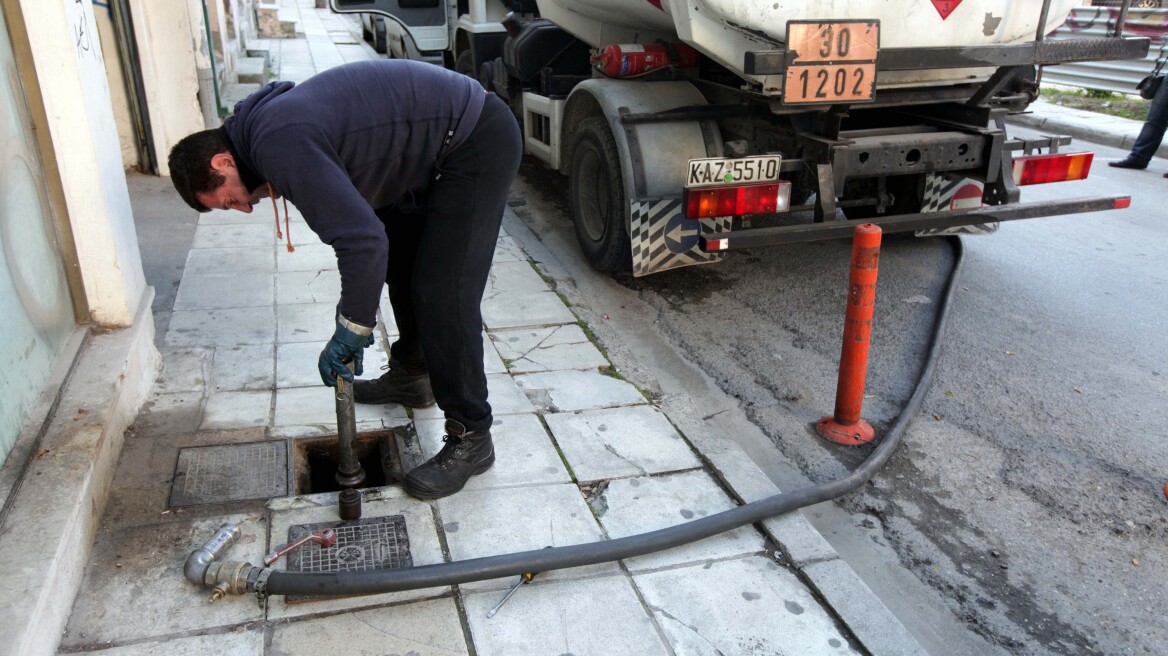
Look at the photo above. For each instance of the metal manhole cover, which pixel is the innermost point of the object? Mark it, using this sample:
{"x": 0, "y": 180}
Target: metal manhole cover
{"x": 230, "y": 472}
{"x": 371, "y": 543}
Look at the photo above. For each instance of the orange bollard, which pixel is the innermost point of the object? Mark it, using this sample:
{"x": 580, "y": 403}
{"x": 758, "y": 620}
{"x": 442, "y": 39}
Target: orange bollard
{"x": 846, "y": 426}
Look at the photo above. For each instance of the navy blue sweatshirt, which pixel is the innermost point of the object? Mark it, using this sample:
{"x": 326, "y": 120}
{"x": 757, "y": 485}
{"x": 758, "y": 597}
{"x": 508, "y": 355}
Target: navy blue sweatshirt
{"x": 350, "y": 140}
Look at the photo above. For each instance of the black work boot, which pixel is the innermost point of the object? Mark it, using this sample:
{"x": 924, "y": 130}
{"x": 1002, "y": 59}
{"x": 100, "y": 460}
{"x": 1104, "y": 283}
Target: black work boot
{"x": 465, "y": 454}
{"x": 398, "y": 385}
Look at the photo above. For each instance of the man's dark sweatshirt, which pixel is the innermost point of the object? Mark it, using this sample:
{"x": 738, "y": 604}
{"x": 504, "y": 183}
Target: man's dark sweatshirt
{"x": 350, "y": 140}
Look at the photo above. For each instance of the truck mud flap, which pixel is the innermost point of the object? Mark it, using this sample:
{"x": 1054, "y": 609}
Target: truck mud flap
{"x": 663, "y": 238}
{"x": 945, "y": 192}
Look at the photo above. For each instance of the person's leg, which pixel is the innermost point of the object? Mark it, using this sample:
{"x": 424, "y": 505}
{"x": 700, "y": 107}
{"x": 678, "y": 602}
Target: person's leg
{"x": 405, "y": 236}
{"x": 407, "y": 381}
{"x": 464, "y": 212}
{"x": 1152, "y": 133}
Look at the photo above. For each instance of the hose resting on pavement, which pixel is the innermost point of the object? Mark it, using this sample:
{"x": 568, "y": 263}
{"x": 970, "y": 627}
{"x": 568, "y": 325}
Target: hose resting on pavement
{"x": 542, "y": 560}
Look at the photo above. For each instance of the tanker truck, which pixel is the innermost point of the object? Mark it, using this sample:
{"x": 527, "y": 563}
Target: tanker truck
{"x": 692, "y": 128}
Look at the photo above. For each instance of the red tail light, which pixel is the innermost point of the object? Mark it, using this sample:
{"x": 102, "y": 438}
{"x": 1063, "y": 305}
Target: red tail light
{"x": 1037, "y": 169}
{"x": 737, "y": 201}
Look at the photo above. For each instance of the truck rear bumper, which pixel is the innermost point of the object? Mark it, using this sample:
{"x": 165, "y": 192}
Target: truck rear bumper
{"x": 792, "y": 234}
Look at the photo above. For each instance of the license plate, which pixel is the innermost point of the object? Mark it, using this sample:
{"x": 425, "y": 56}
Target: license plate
{"x": 717, "y": 171}
{"x": 831, "y": 62}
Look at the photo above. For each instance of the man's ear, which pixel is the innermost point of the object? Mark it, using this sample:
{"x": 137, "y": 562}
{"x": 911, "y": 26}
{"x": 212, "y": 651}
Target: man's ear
{"x": 222, "y": 161}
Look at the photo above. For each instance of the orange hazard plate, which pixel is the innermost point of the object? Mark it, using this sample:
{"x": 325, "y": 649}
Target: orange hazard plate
{"x": 831, "y": 62}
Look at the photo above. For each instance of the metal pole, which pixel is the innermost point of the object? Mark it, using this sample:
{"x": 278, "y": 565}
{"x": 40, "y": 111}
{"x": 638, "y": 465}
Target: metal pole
{"x": 350, "y": 475}
{"x": 1121, "y": 18}
{"x": 1041, "y": 29}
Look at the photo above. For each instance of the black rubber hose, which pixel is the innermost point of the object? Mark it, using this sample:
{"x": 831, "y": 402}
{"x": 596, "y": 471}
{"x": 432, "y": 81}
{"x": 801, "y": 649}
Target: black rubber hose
{"x": 543, "y": 560}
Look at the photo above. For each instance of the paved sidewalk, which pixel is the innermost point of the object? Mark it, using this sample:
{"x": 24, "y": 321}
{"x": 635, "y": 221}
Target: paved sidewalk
{"x": 238, "y": 421}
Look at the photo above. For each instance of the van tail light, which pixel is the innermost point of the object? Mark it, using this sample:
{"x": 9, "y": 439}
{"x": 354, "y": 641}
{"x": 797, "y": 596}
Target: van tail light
{"x": 1037, "y": 169}
{"x": 709, "y": 202}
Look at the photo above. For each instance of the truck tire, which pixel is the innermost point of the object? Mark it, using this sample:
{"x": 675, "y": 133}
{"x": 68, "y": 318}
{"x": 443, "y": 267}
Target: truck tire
{"x": 380, "y": 40}
{"x": 596, "y": 197}
{"x": 465, "y": 64}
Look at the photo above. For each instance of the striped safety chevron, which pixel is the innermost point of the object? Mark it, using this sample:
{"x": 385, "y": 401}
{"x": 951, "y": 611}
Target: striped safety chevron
{"x": 663, "y": 238}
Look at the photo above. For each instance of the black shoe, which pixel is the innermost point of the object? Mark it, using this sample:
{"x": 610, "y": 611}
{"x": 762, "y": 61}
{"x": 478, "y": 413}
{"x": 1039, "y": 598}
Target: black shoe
{"x": 397, "y": 385}
{"x": 465, "y": 454}
{"x": 1129, "y": 163}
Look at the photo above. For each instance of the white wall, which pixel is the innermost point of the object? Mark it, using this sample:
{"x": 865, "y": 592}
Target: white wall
{"x": 171, "y": 40}
{"x": 69, "y": 67}
{"x": 117, "y": 86}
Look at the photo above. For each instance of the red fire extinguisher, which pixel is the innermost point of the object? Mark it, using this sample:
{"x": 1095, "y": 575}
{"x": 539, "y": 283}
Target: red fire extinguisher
{"x": 629, "y": 60}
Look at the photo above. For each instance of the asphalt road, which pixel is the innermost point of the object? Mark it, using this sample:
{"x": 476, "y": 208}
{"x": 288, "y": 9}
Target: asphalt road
{"x": 1025, "y": 511}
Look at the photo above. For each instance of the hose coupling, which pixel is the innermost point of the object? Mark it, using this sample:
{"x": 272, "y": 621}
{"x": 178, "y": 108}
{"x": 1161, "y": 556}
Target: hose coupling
{"x": 228, "y": 576}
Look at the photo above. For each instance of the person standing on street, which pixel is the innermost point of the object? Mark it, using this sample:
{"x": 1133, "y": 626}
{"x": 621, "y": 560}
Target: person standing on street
{"x": 403, "y": 168}
{"x": 1152, "y": 133}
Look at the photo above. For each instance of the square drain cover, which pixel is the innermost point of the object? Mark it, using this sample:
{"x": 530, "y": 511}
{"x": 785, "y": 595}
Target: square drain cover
{"x": 230, "y": 472}
{"x": 370, "y": 543}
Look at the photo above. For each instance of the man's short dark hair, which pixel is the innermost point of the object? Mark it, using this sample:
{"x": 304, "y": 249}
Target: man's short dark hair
{"x": 190, "y": 166}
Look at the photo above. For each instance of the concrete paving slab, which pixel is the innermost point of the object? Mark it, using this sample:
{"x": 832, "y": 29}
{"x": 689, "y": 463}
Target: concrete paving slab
{"x": 240, "y": 641}
{"x": 866, "y": 616}
{"x": 506, "y": 310}
{"x": 227, "y": 327}
{"x": 801, "y": 543}
{"x": 514, "y": 278}
{"x": 547, "y": 348}
{"x": 316, "y": 406}
{"x": 567, "y": 391}
{"x": 506, "y": 397}
{"x": 593, "y": 616}
{"x": 524, "y": 455}
{"x": 223, "y": 261}
{"x": 310, "y": 255}
{"x": 308, "y": 287}
{"x": 508, "y": 251}
{"x": 647, "y": 503}
{"x": 503, "y": 394}
{"x": 232, "y": 235}
{"x": 427, "y": 628}
{"x": 505, "y": 520}
{"x": 231, "y": 217}
{"x": 492, "y": 361}
{"x": 249, "y": 367}
{"x": 227, "y": 410}
{"x": 184, "y": 370}
{"x": 231, "y": 291}
{"x": 168, "y": 414}
{"x": 296, "y": 363}
{"x": 750, "y": 605}
{"x": 134, "y": 586}
{"x": 306, "y": 322}
{"x": 425, "y": 549}
{"x": 611, "y": 443}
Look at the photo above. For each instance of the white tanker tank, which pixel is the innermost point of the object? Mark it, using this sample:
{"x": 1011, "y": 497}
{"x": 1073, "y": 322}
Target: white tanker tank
{"x": 725, "y": 30}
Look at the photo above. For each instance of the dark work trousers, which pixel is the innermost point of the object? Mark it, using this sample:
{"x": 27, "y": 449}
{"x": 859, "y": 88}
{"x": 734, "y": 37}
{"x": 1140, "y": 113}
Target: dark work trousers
{"x": 439, "y": 261}
{"x": 1154, "y": 127}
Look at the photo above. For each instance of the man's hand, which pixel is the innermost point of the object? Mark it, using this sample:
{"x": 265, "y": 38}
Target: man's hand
{"x": 347, "y": 343}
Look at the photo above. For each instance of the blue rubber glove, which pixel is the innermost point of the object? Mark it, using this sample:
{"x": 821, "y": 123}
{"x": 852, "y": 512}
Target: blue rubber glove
{"x": 347, "y": 343}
